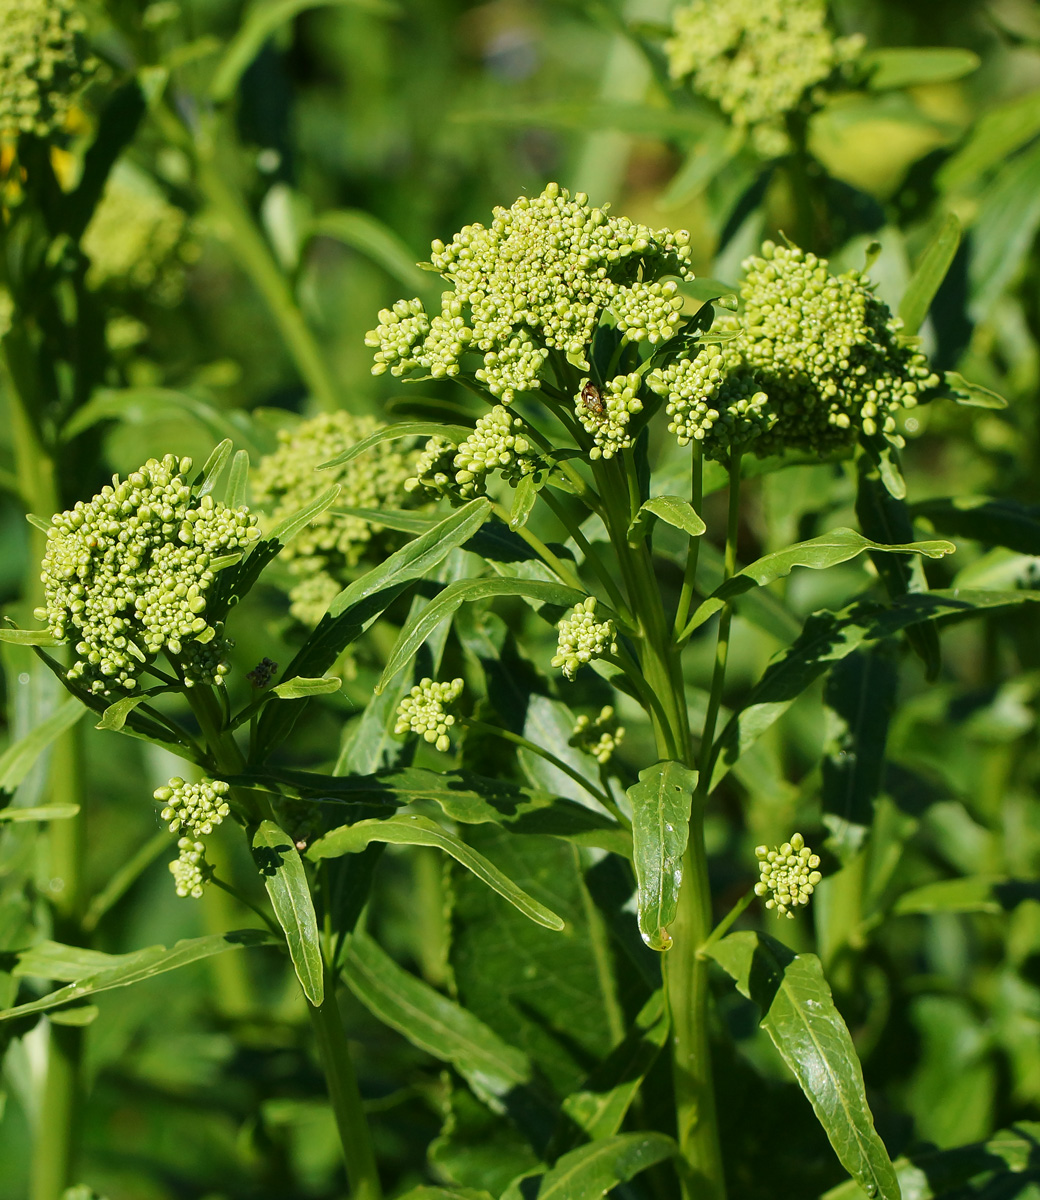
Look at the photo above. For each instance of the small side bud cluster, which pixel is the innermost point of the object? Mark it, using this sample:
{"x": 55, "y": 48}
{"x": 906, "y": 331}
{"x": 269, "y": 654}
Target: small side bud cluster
{"x": 422, "y": 711}
{"x": 758, "y": 60}
{"x": 539, "y": 278}
{"x": 127, "y": 575}
{"x": 788, "y": 875}
{"x": 196, "y": 807}
{"x": 44, "y": 61}
{"x": 320, "y": 556}
{"x": 494, "y": 445}
{"x": 583, "y": 638}
{"x": 606, "y": 414}
{"x": 189, "y": 869}
{"x": 599, "y": 737}
{"x": 815, "y": 359}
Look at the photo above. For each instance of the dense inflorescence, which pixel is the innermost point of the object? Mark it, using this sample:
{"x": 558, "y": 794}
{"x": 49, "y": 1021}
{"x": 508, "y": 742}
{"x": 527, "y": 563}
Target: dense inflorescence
{"x": 127, "y": 574}
{"x": 816, "y": 359}
{"x": 496, "y": 444}
{"x": 189, "y": 869}
{"x": 422, "y": 711}
{"x": 44, "y": 62}
{"x": 334, "y": 542}
{"x": 195, "y": 807}
{"x": 539, "y": 279}
{"x": 583, "y": 638}
{"x": 788, "y": 875}
{"x": 606, "y": 414}
{"x": 599, "y": 737}
{"x": 757, "y": 60}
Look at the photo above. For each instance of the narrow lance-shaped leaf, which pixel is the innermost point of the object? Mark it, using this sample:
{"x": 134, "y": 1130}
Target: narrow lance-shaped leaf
{"x": 994, "y": 522}
{"x": 389, "y": 433}
{"x": 797, "y": 1011}
{"x": 45, "y": 812}
{"x": 410, "y": 830}
{"x": 17, "y": 760}
{"x": 298, "y": 688}
{"x": 238, "y": 480}
{"x": 213, "y": 467}
{"x": 673, "y": 510}
{"x": 360, "y": 230}
{"x": 286, "y": 883}
{"x": 929, "y": 273}
{"x": 972, "y": 395}
{"x": 592, "y": 1171}
{"x": 660, "y": 830}
{"x": 908, "y": 66}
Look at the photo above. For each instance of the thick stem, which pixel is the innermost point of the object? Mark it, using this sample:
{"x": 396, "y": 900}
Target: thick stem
{"x": 689, "y": 583}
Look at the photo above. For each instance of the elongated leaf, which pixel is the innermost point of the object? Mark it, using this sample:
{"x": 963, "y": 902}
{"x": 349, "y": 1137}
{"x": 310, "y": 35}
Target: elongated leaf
{"x": 410, "y": 830}
{"x": 213, "y": 467}
{"x": 28, "y": 637}
{"x": 45, "y": 812}
{"x": 286, "y": 882}
{"x": 798, "y": 1013}
{"x": 115, "y": 716}
{"x": 821, "y": 552}
{"x": 591, "y": 1171}
{"x": 929, "y": 273}
{"x": 296, "y": 689}
{"x": 1004, "y": 229}
{"x": 238, "y": 480}
{"x": 975, "y": 893}
{"x": 446, "y": 1193}
{"x": 361, "y": 231}
{"x": 390, "y": 433}
{"x": 435, "y": 1024}
{"x": 55, "y": 960}
{"x": 993, "y": 522}
{"x": 994, "y": 138}
{"x": 127, "y": 969}
{"x": 17, "y": 760}
{"x": 390, "y": 518}
{"x": 972, "y": 395}
{"x": 262, "y": 19}
{"x": 141, "y": 405}
{"x": 660, "y": 829}
{"x": 673, "y": 510}
{"x": 466, "y": 591}
{"x": 523, "y": 501}
{"x": 908, "y": 66}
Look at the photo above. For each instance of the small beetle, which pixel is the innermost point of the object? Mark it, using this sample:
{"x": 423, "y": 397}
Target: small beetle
{"x": 592, "y": 400}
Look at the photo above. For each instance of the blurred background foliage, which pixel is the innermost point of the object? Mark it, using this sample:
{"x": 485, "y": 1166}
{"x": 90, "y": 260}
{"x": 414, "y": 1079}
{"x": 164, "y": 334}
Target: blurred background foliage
{"x": 357, "y": 133}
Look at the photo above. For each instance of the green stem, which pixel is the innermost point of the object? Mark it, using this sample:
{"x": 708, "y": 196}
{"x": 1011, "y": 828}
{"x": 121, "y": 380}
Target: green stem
{"x": 334, "y": 1054}
{"x": 689, "y": 583}
{"x": 560, "y": 569}
{"x": 592, "y": 556}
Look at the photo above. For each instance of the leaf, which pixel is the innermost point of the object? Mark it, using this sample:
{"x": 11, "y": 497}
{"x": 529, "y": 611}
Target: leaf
{"x": 660, "y": 829}
{"x": 296, "y": 689}
{"x": 213, "y": 467}
{"x": 389, "y": 433}
{"x": 1005, "y": 227}
{"x": 127, "y": 969}
{"x": 446, "y": 1193}
{"x": 143, "y": 405}
{"x": 45, "y": 812}
{"x": 975, "y": 893}
{"x": 115, "y": 716}
{"x": 238, "y": 480}
{"x": 435, "y": 1024}
{"x": 929, "y": 274}
{"x": 797, "y": 1011}
{"x": 451, "y": 598}
{"x": 261, "y": 20}
{"x": 591, "y": 1171}
{"x": 673, "y": 510}
{"x": 818, "y": 553}
{"x": 523, "y": 501}
{"x": 361, "y": 231}
{"x": 549, "y": 724}
{"x": 286, "y": 882}
{"x": 993, "y": 522}
{"x": 908, "y": 66}
{"x": 29, "y": 637}
{"x": 17, "y": 760}
{"x": 410, "y": 830}
{"x": 994, "y": 138}
{"x": 974, "y": 395}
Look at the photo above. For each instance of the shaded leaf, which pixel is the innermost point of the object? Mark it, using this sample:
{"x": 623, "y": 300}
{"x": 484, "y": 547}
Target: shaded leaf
{"x": 993, "y": 139}
{"x": 993, "y": 522}
{"x": 974, "y": 893}
{"x": 929, "y": 273}
{"x": 591, "y": 1171}
{"x": 390, "y": 433}
{"x": 45, "y": 812}
{"x": 660, "y": 829}
{"x": 17, "y": 760}
{"x": 286, "y": 882}
{"x": 908, "y": 66}
{"x": 364, "y": 232}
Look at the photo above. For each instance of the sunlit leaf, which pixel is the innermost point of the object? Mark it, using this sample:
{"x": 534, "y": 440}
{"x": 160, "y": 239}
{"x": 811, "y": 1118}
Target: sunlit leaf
{"x": 286, "y": 882}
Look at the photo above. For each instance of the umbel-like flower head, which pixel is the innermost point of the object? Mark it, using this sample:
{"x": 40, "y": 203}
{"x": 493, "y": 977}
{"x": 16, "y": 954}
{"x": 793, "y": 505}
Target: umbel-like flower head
{"x": 600, "y": 737}
{"x": 816, "y": 359}
{"x": 788, "y": 875}
{"x": 496, "y": 444}
{"x": 44, "y": 61}
{"x": 332, "y": 543}
{"x": 583, "y": 638}
{"x": 127, "y": 575}
{"x": 194, "y": 807}
{"x": 422, "y": 711}
{"x": 757, "y": 59}
{"x": 539, "y": 278}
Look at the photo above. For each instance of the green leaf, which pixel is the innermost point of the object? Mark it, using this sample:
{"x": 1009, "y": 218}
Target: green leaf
{"x": 410, "y": 830}
{"x": 238, "y": 480}
{"x": 523, "y": 501}
{"x": 361, "y": 231}
{"x": 994, "y": 138}
{"x": 974, "y": 395}
{"x": 591, "y": 1171}
{"x": 126, "y": 969}
{"x": 261, "y": 20}
{"x": 296, "y": 689}
{"x": 143, "y": 405}
{"x": 446, "y": 1193}
{"x": 993, "y": 522}
{"x": 45, "y": 812}
{"x": 706, "y": 158}
{"x": 435, "y": 1024}
{"x": 660, "y": 829}
{"x": 975, "y": 893}
{"x": 115, "y": 716}
{"x": 389, "y": 433}
{"x": 818, "y": 553}
{"x": 55, "y": 960}
{"x": 29, "y": 637}
{"x": 17, "y": 760}
{"x": 213, "y": 467}
{"x": 1006, "y": 221}
{"x": 908, "y": 66}
{"x": 929, "y": 273}
{"x": 286, "y": 882}
{"x": 797, "y": 1011}
{"x": 451, "y": 598}
{"x": 673, "y": 510}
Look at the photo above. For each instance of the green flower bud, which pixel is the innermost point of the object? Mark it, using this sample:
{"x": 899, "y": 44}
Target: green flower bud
{"x": 422, "y": 711}
{"x": 788, "y": 875}
{"x": 583, "y": 638}
{"x": 190, "y": 869}
{"x": 606, "y": 414}
{"x": 196, "y": 807}
{"x": 600, "y": 737}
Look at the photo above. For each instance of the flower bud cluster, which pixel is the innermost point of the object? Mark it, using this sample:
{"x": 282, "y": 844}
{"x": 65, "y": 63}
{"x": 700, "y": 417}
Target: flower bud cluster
{"x": 816, "y": 359}
{"x": 189, "y": 869}
{"x": 127, "y": 574}
{"x": 197, "y": 807}
{"x": 136, "y": 239}
{"x": 288, "y": 480}
{"x": 539, "y": 278}
{"x": 757, "y": 59}
{"x": 600, "y": 737}
{"x": 422, "y": 711}
{"x": 788, "y": 875}
{"x": 494, "y": 445}
{"x": 583, "y": 638}
{"x": 606, "y": 414}
{"x": 44, "y": 62}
